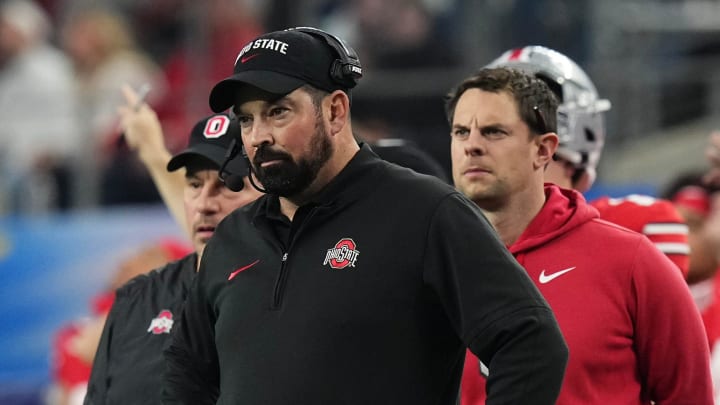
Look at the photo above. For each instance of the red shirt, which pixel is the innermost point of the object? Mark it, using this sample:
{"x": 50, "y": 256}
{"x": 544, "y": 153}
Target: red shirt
{"x": 657, "y": 219}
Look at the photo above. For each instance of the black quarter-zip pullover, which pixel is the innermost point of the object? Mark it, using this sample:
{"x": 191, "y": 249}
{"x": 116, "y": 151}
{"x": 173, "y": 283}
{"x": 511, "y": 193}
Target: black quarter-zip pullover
{"x": 385, "y": 279}
{"x": 129, "y": 362}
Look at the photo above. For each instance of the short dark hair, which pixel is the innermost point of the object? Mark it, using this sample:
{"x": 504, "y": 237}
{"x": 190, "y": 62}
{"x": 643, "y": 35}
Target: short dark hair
{"x": 316, "y": 95}
{"x": 535, "y": 100}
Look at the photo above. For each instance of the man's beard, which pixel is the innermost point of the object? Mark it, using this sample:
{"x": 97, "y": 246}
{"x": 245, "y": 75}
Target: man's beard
{"x": 289, "y": 178}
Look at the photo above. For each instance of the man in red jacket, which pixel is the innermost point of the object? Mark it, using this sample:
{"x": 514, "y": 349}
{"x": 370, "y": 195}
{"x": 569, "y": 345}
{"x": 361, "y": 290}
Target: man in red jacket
{"x": 634, "y": 334}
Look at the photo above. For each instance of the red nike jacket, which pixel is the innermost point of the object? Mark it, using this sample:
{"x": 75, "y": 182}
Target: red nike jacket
{"x": 633, "y": 331}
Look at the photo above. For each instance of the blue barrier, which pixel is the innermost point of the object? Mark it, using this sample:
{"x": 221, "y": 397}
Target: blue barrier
{"x": 50, "y": 267}
{"x": 620, "y": 190}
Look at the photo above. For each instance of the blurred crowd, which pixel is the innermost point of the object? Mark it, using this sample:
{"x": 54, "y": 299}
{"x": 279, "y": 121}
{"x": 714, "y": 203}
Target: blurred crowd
{"x": 62, "y": 64}
{"x": 61, "y": 68}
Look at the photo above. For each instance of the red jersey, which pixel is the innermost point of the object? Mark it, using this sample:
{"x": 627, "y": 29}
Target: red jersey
{"x": 657, "y": 219}
{"x": 633, "y": 330}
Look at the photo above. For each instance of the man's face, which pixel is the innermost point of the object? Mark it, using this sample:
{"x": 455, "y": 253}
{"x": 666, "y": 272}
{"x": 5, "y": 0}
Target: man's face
{"x": 208, "y": 201}
{"x": 492, "y": 149}
{"x": 286, "y": 141}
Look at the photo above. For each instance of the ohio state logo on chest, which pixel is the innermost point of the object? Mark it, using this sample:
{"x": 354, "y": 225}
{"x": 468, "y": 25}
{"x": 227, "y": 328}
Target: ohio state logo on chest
{"x": 344, "y": 254}
{"x": 162, "y": 323}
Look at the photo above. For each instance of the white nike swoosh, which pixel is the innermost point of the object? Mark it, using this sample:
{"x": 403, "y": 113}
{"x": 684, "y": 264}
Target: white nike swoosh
{"x": 546, "y": 278}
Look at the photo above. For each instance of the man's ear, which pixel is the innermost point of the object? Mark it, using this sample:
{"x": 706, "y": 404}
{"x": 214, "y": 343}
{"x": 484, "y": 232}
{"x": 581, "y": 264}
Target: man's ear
{"x": 547, "y": 145}
{"x": 338, "y": 111}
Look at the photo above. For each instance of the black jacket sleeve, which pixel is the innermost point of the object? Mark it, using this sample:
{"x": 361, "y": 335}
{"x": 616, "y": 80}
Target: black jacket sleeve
{"x": 495, "y": 307}
{"x": 98, "y": 384}
{"x": 191, "y": 361}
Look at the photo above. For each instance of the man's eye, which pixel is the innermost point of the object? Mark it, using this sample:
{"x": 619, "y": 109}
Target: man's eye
{"x": 493, "y": 133}
{"x": 460, "y": 132}
{"x": 275, "y": 111}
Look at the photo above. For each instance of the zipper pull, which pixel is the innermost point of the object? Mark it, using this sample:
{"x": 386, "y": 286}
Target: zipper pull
{"x": 284, "y": 258}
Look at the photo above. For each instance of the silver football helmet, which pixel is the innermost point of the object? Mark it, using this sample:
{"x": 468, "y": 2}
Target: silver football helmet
{"x": 580, "y": 118}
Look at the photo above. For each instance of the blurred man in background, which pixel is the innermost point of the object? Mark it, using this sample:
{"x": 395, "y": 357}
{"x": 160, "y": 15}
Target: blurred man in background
{"x": 75, "y": 343}
{"x": 105, "y": 55}
{"x": 696, "y": 199}
{"x": 129, "y": 362}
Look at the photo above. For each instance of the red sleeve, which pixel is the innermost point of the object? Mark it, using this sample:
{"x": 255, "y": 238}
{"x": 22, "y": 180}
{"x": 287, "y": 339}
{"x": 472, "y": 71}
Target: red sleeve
{"x": 67, "y": 369}
{"x": 657, "y": 219}
{"x": 472, "y": 386}
{"x": 670, "y": 340}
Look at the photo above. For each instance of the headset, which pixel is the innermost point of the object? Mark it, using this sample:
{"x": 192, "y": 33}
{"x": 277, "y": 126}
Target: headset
{"x": 346, "y": 70}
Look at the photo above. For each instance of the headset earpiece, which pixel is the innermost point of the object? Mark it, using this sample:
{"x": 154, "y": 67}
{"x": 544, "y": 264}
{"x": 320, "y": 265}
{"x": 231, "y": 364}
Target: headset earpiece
{"x": 346, "y": 70}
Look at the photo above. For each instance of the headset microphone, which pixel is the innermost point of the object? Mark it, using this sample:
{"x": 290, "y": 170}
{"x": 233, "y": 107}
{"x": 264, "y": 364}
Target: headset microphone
{"x": 235, "y": 182}
{"x": 232, "y": 181}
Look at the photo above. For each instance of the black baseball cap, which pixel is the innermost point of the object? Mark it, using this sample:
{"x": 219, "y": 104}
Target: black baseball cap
{"x": 278, "y": 63}
{"x": 211, "y": 138}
